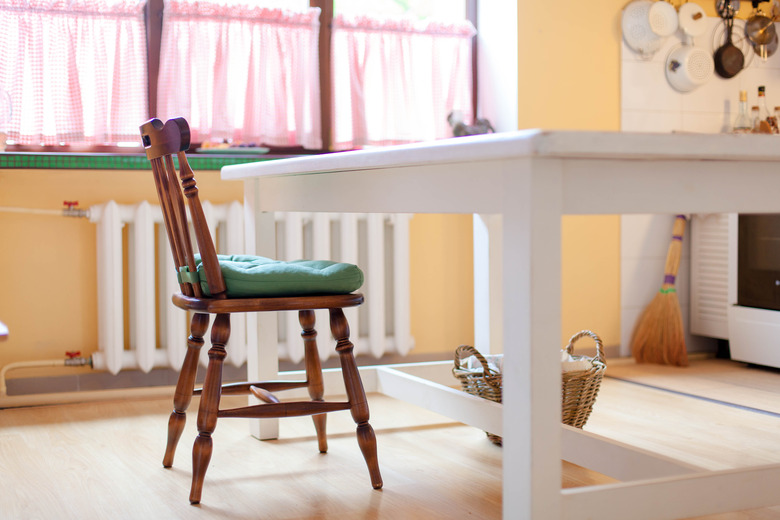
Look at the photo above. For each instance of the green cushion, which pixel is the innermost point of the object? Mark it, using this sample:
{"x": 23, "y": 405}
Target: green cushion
{"x": 257, "y": 277}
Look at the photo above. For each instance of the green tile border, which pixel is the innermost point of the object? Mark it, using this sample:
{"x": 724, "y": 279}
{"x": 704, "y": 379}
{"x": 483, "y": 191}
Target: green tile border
{"x": 54, "y": 161}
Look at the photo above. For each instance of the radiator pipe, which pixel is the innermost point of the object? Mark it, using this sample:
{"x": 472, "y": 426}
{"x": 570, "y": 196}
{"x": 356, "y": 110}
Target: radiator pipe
{"x": 69, "y": 211}
{"x": 70, "y": 361}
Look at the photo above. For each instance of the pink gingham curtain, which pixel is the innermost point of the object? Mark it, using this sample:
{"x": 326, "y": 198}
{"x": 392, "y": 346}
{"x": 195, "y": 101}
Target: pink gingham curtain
{"x": 396, "y": 81}
{"x": 75, "y": 70}
{"x": 241, "y": 72}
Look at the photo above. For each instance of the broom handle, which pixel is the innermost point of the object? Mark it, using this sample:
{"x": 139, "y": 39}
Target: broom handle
{"x": 674, "y": 254}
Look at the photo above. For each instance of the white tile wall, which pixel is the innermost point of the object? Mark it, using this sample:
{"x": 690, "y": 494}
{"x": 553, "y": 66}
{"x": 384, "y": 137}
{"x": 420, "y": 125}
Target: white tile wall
{"x": 650, "y": 104}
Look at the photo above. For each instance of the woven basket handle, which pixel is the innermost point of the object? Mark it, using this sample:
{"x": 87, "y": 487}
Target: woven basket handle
{"x": 599, "y": 349}
{"x": 465, "y": 352}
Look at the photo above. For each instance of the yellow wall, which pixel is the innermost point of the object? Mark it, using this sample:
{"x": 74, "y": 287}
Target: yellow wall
{"x": 569, "y": 78}
{"x": 442, "y": 266}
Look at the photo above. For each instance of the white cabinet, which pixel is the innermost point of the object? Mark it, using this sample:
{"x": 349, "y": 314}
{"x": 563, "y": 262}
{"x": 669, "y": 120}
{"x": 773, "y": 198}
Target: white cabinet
{"x": 713, "y": 273}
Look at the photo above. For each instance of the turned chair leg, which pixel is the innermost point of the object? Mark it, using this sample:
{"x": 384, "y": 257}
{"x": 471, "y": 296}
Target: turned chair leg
{"x": 314, "y": 373}
{"x": 209, "y": 405}
{"x": 356, "y": 395}
{"x": 185, "y": 385}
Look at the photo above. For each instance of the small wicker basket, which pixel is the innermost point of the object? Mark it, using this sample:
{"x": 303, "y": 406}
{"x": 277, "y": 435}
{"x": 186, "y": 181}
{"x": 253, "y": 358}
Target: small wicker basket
{"x": 578, "y": 387}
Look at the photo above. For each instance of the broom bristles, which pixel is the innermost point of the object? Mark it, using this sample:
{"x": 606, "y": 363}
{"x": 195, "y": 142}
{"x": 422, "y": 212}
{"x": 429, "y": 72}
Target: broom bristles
{"x": 659, "y": 336}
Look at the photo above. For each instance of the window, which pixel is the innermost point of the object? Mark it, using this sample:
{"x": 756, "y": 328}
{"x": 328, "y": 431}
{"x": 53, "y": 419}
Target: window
{"x": 396, "y": 80}
{"x": 241, "y": 73}
{"x": 72, "y": 70}
{"x": 247, "y": 71}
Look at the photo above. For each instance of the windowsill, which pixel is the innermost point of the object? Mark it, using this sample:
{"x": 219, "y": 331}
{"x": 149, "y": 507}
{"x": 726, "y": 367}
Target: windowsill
{"x": 117, "y": 161}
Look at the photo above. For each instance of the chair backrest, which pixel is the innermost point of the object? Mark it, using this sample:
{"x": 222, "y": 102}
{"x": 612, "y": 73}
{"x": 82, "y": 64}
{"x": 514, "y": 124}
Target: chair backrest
{"x": 162, "y": 142}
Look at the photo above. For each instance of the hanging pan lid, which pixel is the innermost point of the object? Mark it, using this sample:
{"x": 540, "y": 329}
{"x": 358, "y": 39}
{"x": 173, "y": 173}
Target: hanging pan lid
{"x": 693, "y": 20}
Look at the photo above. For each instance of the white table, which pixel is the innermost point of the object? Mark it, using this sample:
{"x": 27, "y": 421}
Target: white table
{"x": 532, "y": 178}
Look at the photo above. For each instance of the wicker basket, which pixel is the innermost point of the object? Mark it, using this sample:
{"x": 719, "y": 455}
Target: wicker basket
{"x": 579, "y": 387}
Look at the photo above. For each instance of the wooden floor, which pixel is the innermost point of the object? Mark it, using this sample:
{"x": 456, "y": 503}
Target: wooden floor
{"x": 102, "y": 460}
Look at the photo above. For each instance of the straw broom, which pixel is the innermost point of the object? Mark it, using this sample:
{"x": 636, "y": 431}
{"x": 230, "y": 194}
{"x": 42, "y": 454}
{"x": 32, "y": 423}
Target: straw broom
{"x": 658, "y": 335}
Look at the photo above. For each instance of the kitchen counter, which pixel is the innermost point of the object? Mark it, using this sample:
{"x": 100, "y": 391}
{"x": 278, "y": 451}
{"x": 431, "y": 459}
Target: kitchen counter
{"x": 528, "y": 180}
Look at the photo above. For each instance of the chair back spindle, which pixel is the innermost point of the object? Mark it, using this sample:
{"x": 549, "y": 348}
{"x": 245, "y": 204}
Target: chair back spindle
{"x": 208, "y": 253}
{"x": 162, "y": 142}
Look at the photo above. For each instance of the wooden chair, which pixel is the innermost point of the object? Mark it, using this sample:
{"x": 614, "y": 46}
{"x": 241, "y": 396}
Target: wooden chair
{"x": 204, "y": 291}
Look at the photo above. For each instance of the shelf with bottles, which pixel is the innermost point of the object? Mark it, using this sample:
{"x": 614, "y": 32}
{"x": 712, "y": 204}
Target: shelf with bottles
{"x": 760, "y": 120}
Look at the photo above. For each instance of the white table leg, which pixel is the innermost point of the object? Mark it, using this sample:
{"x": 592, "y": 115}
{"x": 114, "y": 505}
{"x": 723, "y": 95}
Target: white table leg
{"x": 263, "y": 356}
{"x": 532, "y": 306}
{"x": 488, "y": 285}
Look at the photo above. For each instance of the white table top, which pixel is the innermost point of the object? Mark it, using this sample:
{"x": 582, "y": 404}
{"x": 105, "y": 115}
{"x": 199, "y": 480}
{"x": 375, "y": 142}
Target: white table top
{"x": 528, "y": 143}
{"x": 603, "y": 173}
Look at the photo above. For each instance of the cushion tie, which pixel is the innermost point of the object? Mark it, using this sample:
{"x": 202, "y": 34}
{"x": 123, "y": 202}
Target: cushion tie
{"x": 184, "y": 275}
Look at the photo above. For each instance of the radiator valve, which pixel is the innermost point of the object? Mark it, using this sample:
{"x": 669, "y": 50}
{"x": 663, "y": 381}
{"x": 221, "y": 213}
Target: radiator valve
{"x": 72, "y": 209}
{"x": 74, "y": 359}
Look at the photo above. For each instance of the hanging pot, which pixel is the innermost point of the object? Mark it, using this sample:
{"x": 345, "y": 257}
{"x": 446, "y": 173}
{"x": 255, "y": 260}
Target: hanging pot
{"x": 760, "y": 29}
{"x": 688, "y": 67}
{"x": 766, "y": 51}
{"x": 729, "y": 59}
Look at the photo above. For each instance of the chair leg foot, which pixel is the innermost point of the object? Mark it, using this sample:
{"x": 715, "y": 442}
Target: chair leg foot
{"x": 175, "y": 428}
{"x": 367, "y": 442}
{"x": 201, "y": 456}
{"x": 319, "y": 426}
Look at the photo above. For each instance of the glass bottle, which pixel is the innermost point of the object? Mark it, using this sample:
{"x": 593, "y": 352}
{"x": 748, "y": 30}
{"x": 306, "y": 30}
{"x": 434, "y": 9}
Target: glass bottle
{"x": 754, "y": 117}
{"x": 763, "y": 111}
{"x": 743, "y": 124}
{"x": 773, "y": 121}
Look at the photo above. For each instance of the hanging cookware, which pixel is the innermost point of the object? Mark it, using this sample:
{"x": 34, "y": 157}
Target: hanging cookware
{"x": 738, "y": 38}
{"x": 637, "y": 32}
{"x": 728, "y": 59}
{"x": 766, "y": 51}
{"x": 759, "y": 28}
{"x": 662, "y": 17}
{"x": 688, "y": 67}
{"x": 726, "y": 6}
{"x": 692, "y": 20}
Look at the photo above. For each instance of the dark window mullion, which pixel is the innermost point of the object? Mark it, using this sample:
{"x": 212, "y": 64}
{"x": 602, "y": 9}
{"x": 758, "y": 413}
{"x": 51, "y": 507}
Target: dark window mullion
{"x": 326, "y": 29}
{"x": 471, "y": 16}
{"x": 153, "y": 15}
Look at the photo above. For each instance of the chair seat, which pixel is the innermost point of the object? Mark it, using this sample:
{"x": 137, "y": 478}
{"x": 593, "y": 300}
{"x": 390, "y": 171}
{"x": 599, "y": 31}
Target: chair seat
{"x": 288, "y": 303}
{"x": 259, "y": 277}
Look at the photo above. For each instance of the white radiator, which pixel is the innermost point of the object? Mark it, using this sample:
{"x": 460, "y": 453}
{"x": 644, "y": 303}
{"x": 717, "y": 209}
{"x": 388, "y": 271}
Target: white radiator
{"x": 150, "y": 332}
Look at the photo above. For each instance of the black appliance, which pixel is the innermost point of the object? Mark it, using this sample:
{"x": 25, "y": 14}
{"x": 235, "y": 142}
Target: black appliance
{"x": 758, "y": 261}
